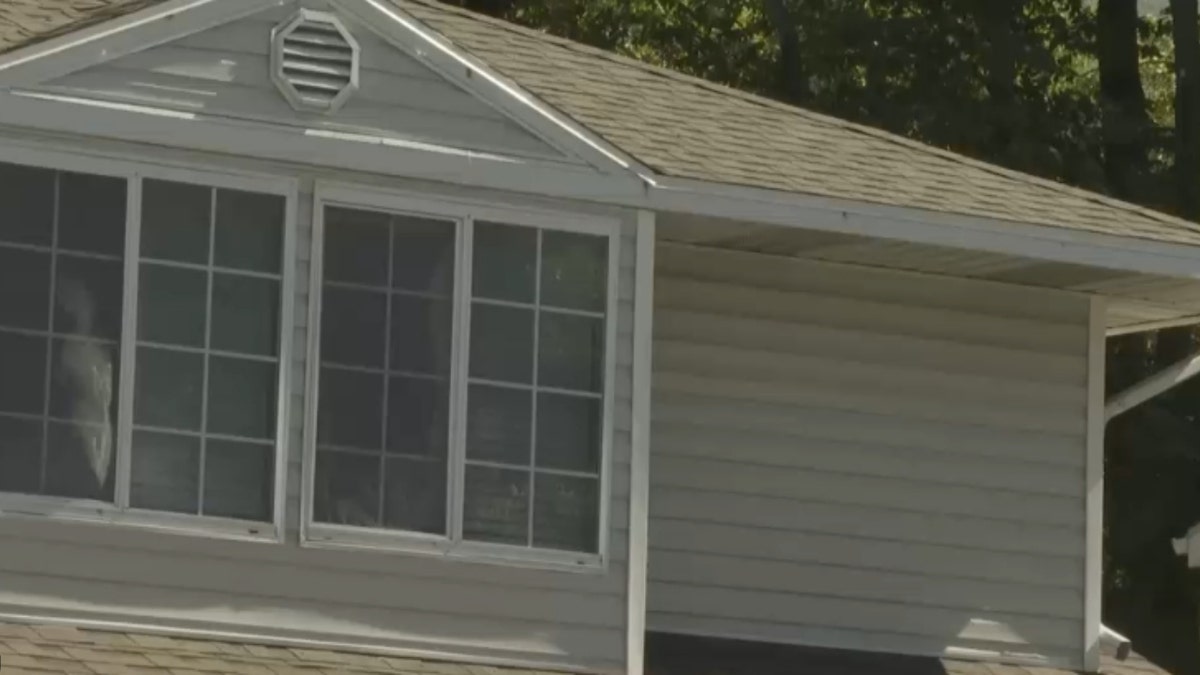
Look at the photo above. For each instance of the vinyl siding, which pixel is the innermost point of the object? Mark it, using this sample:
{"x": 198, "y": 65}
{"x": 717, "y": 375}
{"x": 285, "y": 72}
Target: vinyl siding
{"x": 863, "y": 459}
{"x": 225, "y": 72}
{"x": 426, "y": 605}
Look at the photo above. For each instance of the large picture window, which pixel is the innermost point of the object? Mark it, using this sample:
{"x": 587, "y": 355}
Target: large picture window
{"x": 463, "y": 373}
{"x": 140, "y": 345}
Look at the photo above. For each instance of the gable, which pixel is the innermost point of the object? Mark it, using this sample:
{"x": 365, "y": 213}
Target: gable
{"x": 225, "y": 72}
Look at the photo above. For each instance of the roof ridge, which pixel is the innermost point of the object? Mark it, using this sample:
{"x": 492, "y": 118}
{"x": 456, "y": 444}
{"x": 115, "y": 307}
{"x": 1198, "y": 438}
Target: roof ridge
{"x": 814, "y": 116}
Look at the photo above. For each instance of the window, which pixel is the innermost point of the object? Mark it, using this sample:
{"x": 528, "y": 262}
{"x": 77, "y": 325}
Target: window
{"x": 463, "y": 379}
{"x": 140, "y": 348}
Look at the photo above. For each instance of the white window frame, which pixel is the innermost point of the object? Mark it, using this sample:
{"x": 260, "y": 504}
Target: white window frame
{"x": 118, "y": 512}
{"x": 464, "y": 212}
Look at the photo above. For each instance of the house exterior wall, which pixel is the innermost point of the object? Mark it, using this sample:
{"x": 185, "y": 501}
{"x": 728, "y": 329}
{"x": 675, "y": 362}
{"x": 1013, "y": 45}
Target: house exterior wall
{"x": 863, "y": 459}
{"x": 224, "y": 72}
{"x": 429, "y": 605}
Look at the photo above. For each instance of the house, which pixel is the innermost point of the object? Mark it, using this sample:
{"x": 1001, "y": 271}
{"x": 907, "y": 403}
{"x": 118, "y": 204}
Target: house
{"x": 377, "y": 336}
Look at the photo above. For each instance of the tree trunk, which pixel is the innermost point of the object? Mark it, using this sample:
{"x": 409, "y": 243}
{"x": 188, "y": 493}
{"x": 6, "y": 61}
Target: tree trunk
{"x": 1122, "y": 98}
{"x": 792, "y": 84}
{"x": 998, "y": 22}
{"x": 1187, "y": 106}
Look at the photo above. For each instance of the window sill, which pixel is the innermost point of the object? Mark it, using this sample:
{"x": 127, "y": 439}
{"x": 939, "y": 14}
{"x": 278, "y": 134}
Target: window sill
{"x": 89, "y": 512}
{"x": 344, "y": 538}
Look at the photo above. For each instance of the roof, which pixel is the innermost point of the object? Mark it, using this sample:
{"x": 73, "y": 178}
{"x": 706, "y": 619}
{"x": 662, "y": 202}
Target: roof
{"x": 685, "y": 127}
{"x": 44, "y": 649}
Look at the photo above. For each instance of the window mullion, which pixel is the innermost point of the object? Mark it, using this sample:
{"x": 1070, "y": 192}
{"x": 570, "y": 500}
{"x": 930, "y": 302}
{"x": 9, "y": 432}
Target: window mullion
{"x": 537, "y": 321}
{"x": 387, "y": 366}
{"x": 209, "y": 282}
{"x": 128, "y": 347}
{"x": 460, "y": 371}
{"x": 44, "y": 458}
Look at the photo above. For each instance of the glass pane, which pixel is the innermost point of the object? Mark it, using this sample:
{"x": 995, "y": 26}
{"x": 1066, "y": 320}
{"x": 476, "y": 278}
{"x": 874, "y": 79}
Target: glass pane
{"x": 169, "y": 389}
{"x": 91, "y": 213}
{"x": 241, "y": 397}
{"x": 26, "y": 204}
{"x": 574, "y": 270}
{"x": 421, "y": 335}
{"x": 20, "y": 454}
{"x": 502, "y": 343}
{"x": 568, "y": 432}
{"x": 571, "y": 352}
{"x": 423, "y": 255}
{"x": 415, "y": 495}
{"x": 356, "y": 246}
{"x": 171, "y": 305}
{"x": 496, "y": 505}
{"x": 249, "y": 231}
{"x": 353, "y": 327}
{"x": 347, "y": 489}
{"x": 24, "y": 289}
{"x": 175, "y": 221}
{"x": 22, "y": 373}
{"x": 83, "y": 381}
{"x": 418, "y": 416}
{"x": 505, "y": 261}
{"x": 566, "y": 513}
{"x": 80, "y": 461}
{"x": 165, "y": 472}
{"x": 499, "y": 423}
{"x": 238, "y": 480}
{"x": 245, "y": 315}
{"x": 88, "y": 297}
{"x": 351, "y": 409}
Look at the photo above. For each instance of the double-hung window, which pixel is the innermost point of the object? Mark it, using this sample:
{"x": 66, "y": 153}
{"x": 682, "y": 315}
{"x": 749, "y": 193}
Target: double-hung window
{"x": 142, "y": 330}
{"x": 463, "y": 378}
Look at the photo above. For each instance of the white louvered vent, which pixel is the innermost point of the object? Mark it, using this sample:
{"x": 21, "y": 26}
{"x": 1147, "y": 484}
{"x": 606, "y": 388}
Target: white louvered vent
{"x": 314, "y": 61}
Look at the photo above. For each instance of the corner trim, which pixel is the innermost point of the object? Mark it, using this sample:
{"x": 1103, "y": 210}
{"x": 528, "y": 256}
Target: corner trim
{"x": 1094, "y": 488}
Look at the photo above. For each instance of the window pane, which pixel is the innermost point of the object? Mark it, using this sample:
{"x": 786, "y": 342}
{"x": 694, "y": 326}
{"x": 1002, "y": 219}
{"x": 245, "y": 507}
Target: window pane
{"x": 241, "y": 397}
{"x": 565, "y": 513}
{"x": 20, "y": 454}
{"x": 91, "y": 213}
{"x": 415, "y": 495}
{"x": 353, "y": 326}
{"x": 505, "y": 258}
{"x": 23, "y": 365}
{"x": 26, "y": 204}
{"x": 169, "y": 388}
{"x": 245, "y": 315}
{"x": 351, "y": 409}
{"x": 83, "y": 381}
{"x": 568, "y": 432}
{"x": 165, "y": 472}
{"x": 80, "y": 461}
{"x": 496, "y": 505}
{"x": 88, "y": 297}
{"x": 423, "y": 255}
{"x": 421, "y": 335}
{"x": 249, "y": 232}
{"x": 418, "y": 416}
{"x": 171, "y": 305}
{"x": 571, "y": 352}
{"x": 499, "y": 423}
{"x": 574, "y": 270}
{"x": 501, "y": 343}
{"x": 238, "y": 480}
{"x": 24, "y": 289}
{"x": 347, "y": 489}
{"x": 175, "y": 221}
{"x": 356, "y": 246}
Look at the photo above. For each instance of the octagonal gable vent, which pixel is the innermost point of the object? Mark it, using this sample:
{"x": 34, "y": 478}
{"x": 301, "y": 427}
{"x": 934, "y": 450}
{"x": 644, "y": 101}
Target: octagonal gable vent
{"x": 314, "y": 61}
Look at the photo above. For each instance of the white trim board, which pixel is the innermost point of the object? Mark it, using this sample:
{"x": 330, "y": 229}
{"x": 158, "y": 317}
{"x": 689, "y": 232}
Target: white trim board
{"x": 1094, "y": 488}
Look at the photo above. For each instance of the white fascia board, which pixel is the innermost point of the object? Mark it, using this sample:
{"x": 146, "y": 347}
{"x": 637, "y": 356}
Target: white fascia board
{"x": 426, "y": 45}
{"x": 756, "y": 205}
{"x": 1158, "y": 324}
{"x": 118, "y": 37}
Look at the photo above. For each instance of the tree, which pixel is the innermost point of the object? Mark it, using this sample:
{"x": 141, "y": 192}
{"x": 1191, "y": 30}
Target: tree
{"x": 1122, "y": 98}
{"x": 1187, "y": 105}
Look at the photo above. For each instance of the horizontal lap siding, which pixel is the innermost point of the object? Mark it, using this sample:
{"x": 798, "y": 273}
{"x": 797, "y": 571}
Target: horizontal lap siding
{"x": 428, "y": 605}
{"x": 866, "y": 460}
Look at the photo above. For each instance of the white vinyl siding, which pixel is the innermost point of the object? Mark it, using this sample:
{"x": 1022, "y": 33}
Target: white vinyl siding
{"x": 860, "y": 459}
{"x": 225, "y": 72}
{"x": 416, "y": 603}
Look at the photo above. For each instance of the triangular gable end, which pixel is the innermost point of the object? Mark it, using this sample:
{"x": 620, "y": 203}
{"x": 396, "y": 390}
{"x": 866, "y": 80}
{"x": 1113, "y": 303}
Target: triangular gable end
{"x": 412, "y": 87}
